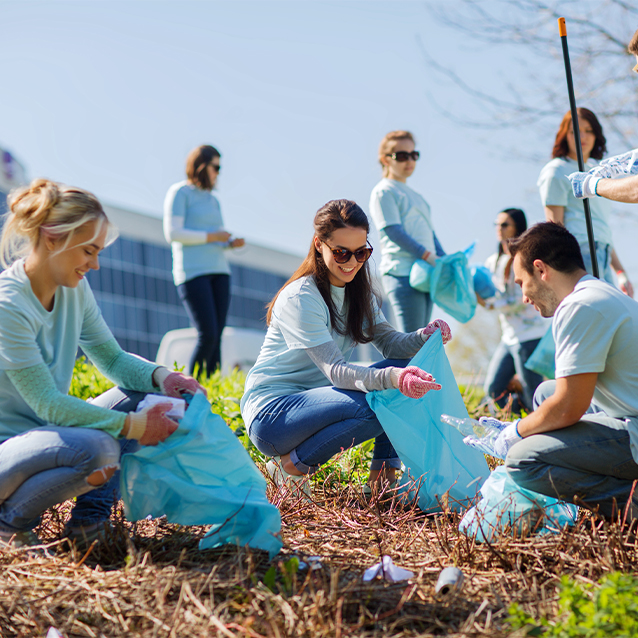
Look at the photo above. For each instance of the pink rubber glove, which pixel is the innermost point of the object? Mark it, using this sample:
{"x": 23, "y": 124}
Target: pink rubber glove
{"x": 174, "y": 384}
{"x": 438, "y": 324}
{"x": 414, "y": 382}
{"x": 151, "y": 425}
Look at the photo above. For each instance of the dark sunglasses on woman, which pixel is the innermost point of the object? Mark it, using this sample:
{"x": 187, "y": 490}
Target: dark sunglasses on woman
{"x": 404, "y": 156}
{"x": 343, "y": 256}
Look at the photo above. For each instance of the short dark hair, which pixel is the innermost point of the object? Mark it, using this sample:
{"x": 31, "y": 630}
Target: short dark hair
{"x": 561, "y": 148}
{"x": 196, "y": 163}
{"x": 550, "y": 242}
{"x": 633, "y": 45}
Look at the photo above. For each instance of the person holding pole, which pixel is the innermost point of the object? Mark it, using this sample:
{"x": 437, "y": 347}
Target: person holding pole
{"x": 563, "y": 207}
{"x": 581, "y": 442}
{"x": 617, "y": 177}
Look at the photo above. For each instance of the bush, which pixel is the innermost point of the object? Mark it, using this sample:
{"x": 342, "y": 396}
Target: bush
{"x": 609, "y": 608}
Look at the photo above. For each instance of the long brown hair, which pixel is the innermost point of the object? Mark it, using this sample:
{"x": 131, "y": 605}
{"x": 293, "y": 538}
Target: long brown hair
{"x": 197, "y": 164}
{"x": 560, "y": 143}
{"x": 360, "y": 295}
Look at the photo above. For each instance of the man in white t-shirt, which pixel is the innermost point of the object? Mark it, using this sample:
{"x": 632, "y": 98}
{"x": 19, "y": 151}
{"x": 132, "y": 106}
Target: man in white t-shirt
{"x": 581, "y": 442}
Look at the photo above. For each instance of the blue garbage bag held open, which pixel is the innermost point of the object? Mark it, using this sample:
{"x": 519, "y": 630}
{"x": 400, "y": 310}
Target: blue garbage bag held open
{"x": 505, "y": 505}
{"x": 482, "y": 280}
{"x": 543, "y": 359}
{"x": 202, "y": 475}
{"x": 436, "y": 459}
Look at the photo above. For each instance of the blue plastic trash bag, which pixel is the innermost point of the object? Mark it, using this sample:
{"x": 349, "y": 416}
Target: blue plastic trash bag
{"x": 482, "y": 280}
{"x": 434, "y": 454}
{"x": 420, "y": 274}
{"x": 451, "y": 287}
{"x": 543, "y": 359}
{"x": 505, "y": 505}
{"x": 202, "y": 475}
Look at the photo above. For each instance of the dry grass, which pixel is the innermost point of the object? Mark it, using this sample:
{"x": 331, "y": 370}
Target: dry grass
{"x": 151, "y": 580}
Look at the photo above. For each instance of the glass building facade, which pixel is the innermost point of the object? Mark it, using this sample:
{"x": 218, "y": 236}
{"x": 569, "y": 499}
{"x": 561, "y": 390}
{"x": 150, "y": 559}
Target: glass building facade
{"x": 134, "y": 289}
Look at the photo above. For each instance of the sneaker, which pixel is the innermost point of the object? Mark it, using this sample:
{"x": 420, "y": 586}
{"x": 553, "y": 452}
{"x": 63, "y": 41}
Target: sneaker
{"x": 296, "y": 485}
{"x": 84, "y": 535}
{"x": 14, "y": 540}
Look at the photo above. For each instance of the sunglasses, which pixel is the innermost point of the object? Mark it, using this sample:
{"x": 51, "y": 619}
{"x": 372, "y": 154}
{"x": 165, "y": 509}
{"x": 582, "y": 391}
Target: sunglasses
{"x": 404, "y": 156}
{"x": 503, "y": 225}
{"x": 215, "y": 167}
{"x": 343, "y": 256}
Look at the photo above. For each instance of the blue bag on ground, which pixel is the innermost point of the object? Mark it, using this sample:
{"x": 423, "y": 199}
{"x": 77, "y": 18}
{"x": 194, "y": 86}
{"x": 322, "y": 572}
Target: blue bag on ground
{"x": 436, "y": 459}
{"x": 505, "y": 505}
{"x": 202, "y": 475}
{"x": 543, "y": 359}
{"x": 482, "y": 280}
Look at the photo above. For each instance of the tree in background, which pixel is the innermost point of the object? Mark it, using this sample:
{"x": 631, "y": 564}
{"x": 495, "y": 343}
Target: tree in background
{"x": 535, "y": 94}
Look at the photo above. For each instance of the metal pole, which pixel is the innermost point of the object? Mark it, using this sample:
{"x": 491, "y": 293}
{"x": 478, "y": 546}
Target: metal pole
{"x": 562, "y": 29}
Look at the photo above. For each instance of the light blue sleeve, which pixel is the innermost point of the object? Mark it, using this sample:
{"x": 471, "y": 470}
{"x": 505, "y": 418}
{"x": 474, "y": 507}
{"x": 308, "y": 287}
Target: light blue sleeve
{"x": 175, "y": 229}
{"x": 384, "y": 209}
{"x": 303, "y": 319}
{"x": 554, "y": 187}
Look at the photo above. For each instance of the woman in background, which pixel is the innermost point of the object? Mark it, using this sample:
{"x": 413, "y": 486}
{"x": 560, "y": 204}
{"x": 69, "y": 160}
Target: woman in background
{"x": 521, "y": 325}
{"x": 563, "y": 208}
{"x": 406, "y": 232}
{"x": 303, "y": 401}
{"x": 54, "y": 447}
{"x": 194, "y": 227}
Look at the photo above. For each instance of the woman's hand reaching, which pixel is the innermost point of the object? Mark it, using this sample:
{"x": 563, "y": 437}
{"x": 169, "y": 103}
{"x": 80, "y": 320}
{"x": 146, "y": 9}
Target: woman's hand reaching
{"x": 414, "y": 382}
{"x": 438, "y": 324}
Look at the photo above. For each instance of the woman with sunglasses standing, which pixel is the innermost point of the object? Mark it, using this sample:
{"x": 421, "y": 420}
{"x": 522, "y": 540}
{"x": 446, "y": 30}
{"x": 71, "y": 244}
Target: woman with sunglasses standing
{"x": 562, "y": 207}
{"x": 194, "y": 227}
{"x": 303, "y": 401}
{"x": 521, "y": 325}
{"x": 404, "y": 222}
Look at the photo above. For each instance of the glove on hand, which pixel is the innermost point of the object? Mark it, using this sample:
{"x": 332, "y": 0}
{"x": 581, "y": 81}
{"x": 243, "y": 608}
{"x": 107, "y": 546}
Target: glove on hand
{"x": 498, "y": 447}
{"x": 151, "y": 425}
{"x": 491, "y": 422}
{"x": 414, "y": 382}
{"x": 584, "y": 184}
{"x": 438, "y": 324}
{"x": 174, "y": 384}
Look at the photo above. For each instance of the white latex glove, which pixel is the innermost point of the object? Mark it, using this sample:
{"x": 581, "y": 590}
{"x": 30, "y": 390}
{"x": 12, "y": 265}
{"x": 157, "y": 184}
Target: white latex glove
{"x": 501, "y": 445}
{"x": 584, "y": 184}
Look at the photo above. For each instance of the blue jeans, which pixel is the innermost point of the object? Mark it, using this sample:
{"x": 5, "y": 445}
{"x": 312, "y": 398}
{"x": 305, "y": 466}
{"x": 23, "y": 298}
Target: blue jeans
{"x": 48, "y": 465}
{"x": 504, "y": 364}
{"x": 589, "y": 462}
{"x": 412, "y": 309}
{"x": 316, "y": 424}
{"x": 206, "y": 300}
{"x": 603, "y": 257}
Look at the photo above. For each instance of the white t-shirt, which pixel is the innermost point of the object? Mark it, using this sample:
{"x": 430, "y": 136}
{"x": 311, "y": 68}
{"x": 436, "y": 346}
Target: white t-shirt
{"x": 556, "y": 190}
{"x": 300, "y": 320}
{"x": 520, "y": 322}
{"x": 596, "y": 330}
{"x": 31, "y": 335}
{"x": 392, "y": 203}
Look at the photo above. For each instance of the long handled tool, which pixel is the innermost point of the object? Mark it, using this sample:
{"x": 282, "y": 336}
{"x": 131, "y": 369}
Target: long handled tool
{"x": 562, "y": 29}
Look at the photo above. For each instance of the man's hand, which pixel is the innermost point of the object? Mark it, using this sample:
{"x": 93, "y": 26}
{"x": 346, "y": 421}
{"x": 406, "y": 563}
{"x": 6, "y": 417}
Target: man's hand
{"x": 584, "y": 184}
{"x": 507, "y": 437}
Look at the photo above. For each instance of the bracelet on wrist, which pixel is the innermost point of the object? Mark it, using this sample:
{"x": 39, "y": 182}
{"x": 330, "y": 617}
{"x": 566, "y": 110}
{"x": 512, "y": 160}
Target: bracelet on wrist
{"x": 516, "y": 427}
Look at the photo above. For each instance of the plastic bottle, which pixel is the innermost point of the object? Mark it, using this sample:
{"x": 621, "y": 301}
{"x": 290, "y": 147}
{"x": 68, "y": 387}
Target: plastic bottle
{"x": 470, "y": 427}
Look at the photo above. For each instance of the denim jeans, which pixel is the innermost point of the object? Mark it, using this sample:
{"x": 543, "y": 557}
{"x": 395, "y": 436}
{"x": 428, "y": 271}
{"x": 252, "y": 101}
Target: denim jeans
{"x": 206, "y": 300}
{"x": 603, "y": 257}
{"x": 316, "y": 424}
{"x": 412, "y": 309}
{"x": 589, "y": 462}
{"x": 48, "y": 465}
{"x": 505, "y": 362}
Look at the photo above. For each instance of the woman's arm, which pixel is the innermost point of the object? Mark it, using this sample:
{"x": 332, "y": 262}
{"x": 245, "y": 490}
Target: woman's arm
{"x": 329, "y": 359}
{"x": 37, "y": 387}
{"x": 555, "y": 214}
{"x": 393, "y": 344}
{"x": 397, "y": 234}
{"x": 623, "y": 280}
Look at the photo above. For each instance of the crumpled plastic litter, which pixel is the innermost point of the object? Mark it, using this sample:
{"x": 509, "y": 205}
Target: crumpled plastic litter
{"x": 505, "y": 504}
{"x": 53, "y": 633}
{"x": 311, "y": 563}
{"x": 176, "y": 412}
{"x": 202, "y": 475}
{"x": 387, "y": 570}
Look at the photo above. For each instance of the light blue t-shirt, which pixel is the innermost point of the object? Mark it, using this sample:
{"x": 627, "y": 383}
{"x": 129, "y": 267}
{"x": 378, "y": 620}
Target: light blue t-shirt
{"x": 391, "y": 203}
{"x": 300, "y": 320}
{"x": 596, "y": 330}
{"x": 556, "y": 190}
{"x": 190, "y": 213}
{"x": 31, "y": 335}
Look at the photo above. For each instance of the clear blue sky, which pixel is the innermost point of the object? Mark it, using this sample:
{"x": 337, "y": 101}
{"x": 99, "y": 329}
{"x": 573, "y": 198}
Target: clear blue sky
{"x": 112, "y": 95}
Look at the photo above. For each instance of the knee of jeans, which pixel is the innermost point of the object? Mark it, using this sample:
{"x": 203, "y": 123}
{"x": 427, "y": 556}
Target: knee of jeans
{"x": 543, "y": 392}
{"x": 102, "y": 475}
{"x": 105, "y": 451}
{"x": 265, "y": 447}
